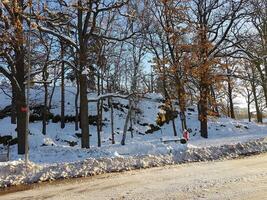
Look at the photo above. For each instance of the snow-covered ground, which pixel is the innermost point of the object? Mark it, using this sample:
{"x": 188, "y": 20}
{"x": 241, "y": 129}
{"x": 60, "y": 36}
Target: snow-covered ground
{"x": 52, "y": 157}
{"x": 228, "y": 179}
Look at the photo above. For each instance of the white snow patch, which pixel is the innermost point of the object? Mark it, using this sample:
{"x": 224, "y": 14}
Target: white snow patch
{"x": 52, "y": 156}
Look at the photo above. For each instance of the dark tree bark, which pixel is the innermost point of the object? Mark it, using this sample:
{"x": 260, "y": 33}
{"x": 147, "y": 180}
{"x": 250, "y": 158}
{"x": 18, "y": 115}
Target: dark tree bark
{"x": 82, "y": 60}
{"x": 21, "y": 106}
{"x": 84, "y": 111}
{"x": 249, "y": 113}
{"x": 249, "y": 101}
{"x": 52, "y": 92}
{"x": 99, "y": 114}
{"x": 45, "y": 107}
{"x": 98, "y": 124}
{"x": 45, "y": 75}
{"x": 13, "y": 107}
{"x": 182, "y": 102}
{"x": 258, "y": 112}
{"x": 77, "y": 103}
{"x": 216, "y": 109}
{"x": 230, "y": 96}
{"x": 13, "y": 12}
{"x": 101, "y": 100}
{"x": 21, "y": 122}
{"x": 203, "y": 108}
{"x": 111, "y": 120}
{"x": 62, "y": 121}
{"x": 204, "y": 82}
{"x": 131, "y": 124}
{"x": 251, "y": 73}
{"x": 151, "y": 81}
{"x": 174, "y": 127}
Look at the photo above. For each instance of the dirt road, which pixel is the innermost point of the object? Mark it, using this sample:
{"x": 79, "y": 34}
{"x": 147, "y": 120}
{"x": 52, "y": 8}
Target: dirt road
{"x": 230, "y": 179}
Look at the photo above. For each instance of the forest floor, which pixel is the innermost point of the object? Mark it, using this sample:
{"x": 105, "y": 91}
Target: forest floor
{"x": 244, "y": 178}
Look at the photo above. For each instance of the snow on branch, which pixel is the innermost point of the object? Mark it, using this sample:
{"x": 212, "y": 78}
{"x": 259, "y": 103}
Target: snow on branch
{"x": 109, "y": 95}
{"x": 70, "y": 64}
{"x": 113, "y": 95}
{"x": 52, "y": 32}
{"x": 61, "y": 36}
{"x": 10, "y": 77}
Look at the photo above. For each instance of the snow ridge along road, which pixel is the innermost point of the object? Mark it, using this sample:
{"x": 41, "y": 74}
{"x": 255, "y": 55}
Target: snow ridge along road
{"x": 14, "y": 173}
{"x": 240, "y": 179}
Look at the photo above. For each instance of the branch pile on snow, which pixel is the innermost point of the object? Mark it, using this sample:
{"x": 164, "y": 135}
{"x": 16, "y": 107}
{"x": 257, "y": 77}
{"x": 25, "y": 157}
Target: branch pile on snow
{"x": 15, "y": 173}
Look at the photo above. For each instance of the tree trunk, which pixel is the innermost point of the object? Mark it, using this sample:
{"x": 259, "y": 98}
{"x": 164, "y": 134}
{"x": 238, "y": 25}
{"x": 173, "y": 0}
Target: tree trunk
{"x": 182, "y": 102}
{"x": 21, "y": 106}
{"x": 131, "y": 124}
{"x": 183, "y": 120}
{"x": 263, "y": 77}
{"x": 264, "y": 87}
{"x": 174, "y": 127}
{"x": 13, "y": 107}
{"x": 168, "y": 100}
{"x": 19, "y": 55}
{"x": 21, "y": 122}
{"x": 265, "y": 70}
{"x": 99, "y": 110}
{"x": 230, "y": 95}
{"x": 173, "y": 120}
{"x": 101, "y": 114}
{"x": 62, "y": 121}
{"x": 52, "y": 93}
{"x": 111, "y": 120}
{"x": 101, "y": 100}
{"x": 151, "y": 81}
{"x": 126, "y": 124}
{"x": 45, "y": 108}
{"x": 258, "y": 112}
{"x": 216, "y": 109}
{"x": 84, "y": 111}
{"x": 249, "y": 114}
{"x": 203, "y": 108}
{"x": 77, "y": 104}
{"x": 98, "y": 124}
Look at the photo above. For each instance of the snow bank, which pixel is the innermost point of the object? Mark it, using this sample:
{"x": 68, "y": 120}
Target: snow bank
{"x": 226, "y": 151}
{"x": 58, "y": 153}
{"x": 15, "y": 172}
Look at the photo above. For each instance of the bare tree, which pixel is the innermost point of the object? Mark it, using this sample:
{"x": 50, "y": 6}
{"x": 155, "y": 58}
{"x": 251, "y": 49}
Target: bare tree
{"x": 213, "y": 21}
